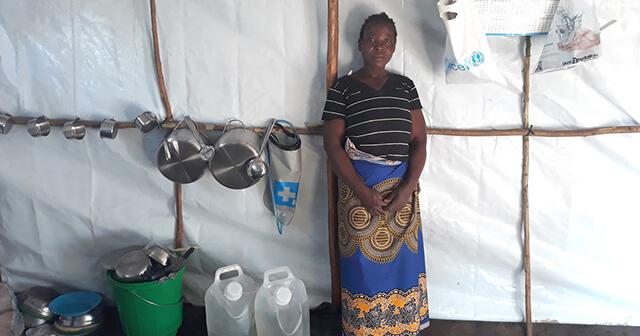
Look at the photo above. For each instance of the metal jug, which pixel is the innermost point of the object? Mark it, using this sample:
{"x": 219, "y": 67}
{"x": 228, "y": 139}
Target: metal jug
{"x": 184, "y": 155}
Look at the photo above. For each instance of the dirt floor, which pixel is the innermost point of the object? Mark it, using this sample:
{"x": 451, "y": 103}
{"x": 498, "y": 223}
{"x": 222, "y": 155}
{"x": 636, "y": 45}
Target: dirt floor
{"x": 325, "y": 321}
{"x": 471, "y": 328}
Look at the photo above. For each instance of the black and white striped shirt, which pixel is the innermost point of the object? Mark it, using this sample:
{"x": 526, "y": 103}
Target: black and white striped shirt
{"x": 378, "y": 122}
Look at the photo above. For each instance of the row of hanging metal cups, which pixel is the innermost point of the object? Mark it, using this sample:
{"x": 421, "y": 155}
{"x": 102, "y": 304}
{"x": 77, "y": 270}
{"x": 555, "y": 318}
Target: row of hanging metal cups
{"x": 75, "y": 129}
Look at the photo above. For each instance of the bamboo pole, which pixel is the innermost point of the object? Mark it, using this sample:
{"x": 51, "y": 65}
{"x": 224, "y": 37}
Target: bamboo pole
{"x": 332, "y": 181}
{"x": 525, "y": 184}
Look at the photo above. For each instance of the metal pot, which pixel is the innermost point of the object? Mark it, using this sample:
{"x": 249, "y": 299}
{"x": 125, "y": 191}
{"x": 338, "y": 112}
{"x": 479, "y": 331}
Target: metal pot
{"x": 237, "y": 152}
{"x": 184, "y": 155}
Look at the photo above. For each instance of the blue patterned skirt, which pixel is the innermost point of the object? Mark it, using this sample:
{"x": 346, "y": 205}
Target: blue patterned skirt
{"x": 384, "y": 283}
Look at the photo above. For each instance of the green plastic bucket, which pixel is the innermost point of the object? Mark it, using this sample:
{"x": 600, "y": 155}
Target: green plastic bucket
{"x": 149, "y": 308}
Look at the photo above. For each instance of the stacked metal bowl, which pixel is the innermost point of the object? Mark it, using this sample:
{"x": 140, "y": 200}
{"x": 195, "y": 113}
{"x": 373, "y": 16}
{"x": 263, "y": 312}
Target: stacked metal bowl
{"x": 34, "y": 305}
{"x": 79, "y": 313}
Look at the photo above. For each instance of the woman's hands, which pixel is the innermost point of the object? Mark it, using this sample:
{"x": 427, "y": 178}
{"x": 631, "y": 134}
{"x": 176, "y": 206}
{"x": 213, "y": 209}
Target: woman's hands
{"x": 398, "y": 198}
{"x": 371, "y": 199}
{"x": 376, "y": 204}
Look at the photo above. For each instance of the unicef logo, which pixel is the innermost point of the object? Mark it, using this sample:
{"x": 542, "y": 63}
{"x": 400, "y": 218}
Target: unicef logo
{"x": 477, "y": 58}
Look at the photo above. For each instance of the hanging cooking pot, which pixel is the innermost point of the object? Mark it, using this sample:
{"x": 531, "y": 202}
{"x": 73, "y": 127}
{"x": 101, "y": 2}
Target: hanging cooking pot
{"x": 184, "y": 155}
{"x": 238, "y": 161}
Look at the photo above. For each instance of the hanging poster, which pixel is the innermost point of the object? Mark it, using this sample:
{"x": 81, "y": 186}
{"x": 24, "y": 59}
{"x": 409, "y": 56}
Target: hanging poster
{"x": 516, "y": 17}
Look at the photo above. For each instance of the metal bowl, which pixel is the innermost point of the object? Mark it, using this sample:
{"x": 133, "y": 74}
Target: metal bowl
{"x": 79, "y": 331}
{"x": 80, "y": 323}
{"x": 132, "y": 266}
{"x": 41, "y": 330}
{"x": 31, "y": 321}
{"x": 158, "y": 253}
{"x": 35, "y": 303}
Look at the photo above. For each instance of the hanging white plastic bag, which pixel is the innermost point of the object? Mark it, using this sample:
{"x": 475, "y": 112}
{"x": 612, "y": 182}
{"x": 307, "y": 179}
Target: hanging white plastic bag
{"x": 574, "y": 37}
{"x": 285, "y": 168}
{"x": 467, "y": 57}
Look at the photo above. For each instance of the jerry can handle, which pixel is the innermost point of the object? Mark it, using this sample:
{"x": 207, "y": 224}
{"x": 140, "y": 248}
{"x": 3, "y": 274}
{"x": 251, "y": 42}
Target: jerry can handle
{"x": 277, "y": 270}
{"x": 227, "y": 269}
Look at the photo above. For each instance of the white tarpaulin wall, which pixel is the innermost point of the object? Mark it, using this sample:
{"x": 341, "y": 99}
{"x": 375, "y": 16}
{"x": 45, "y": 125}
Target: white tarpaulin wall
{"x": 65, "y": 203}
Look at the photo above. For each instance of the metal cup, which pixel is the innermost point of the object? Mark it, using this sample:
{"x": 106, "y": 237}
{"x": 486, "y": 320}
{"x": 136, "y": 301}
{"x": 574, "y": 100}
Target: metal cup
{"x": 5, "y": 123}
{"x": 108, "y": 129}
{"x": 39, "y": 126}
{"x": 146, "y": 121}
{"x": 74, "y": 129}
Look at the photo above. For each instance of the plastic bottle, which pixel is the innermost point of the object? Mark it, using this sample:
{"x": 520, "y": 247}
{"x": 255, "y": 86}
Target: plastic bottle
{"x": 229, "y": 303}
{"x": 282, "y": 307}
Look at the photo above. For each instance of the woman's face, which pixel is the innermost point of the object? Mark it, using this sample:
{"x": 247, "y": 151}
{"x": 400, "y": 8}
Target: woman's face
{"x": 378, "y": 44}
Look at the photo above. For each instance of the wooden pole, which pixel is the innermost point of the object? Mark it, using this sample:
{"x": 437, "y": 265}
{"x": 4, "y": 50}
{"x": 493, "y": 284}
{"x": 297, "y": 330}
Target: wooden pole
{"x": 332, "y": 181}
{"x": 534, "y": 132}
{"x": 158, "y": 62}
{"x": 179, "y": 223}
{"x": 179, "y": 234}
{"x": 525, "y": 184}
{"x": 316, "y": 129}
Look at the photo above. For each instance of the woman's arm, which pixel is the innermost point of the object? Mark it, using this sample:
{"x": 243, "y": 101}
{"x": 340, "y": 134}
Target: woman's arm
{"x": 333, "y": 138}
{"x": 417, "y": 158}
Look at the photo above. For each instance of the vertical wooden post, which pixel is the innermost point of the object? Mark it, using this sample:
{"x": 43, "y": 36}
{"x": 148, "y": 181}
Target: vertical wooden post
{"x": 179, "y": 234}
{"x": 158, "y": 62}
{"x": 179, "y": 223}
{"x": 525, "y": 184}
{"x": 332, "y": 181}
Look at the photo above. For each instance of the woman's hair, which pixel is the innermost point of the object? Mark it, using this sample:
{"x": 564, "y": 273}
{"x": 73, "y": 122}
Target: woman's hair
{"x": 378, "y": 18}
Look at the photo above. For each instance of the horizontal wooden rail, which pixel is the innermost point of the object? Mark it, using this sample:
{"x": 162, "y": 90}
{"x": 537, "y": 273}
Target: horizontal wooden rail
{"x": 534, "y": 132}
{"x": 316, "y": 129}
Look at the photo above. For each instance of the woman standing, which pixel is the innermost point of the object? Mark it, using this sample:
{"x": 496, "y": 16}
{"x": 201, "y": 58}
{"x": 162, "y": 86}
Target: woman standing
{"x": 374, "y": 136}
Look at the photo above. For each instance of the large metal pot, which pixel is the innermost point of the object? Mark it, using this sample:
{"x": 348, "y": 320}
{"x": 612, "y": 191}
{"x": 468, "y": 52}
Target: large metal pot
{"x": 184, "y": 154}
{"x": 237, "y": 152}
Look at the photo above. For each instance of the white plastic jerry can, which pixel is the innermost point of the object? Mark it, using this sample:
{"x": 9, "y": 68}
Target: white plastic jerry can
{"x": 229, "y": 303}
{"x": 282, "y": 306}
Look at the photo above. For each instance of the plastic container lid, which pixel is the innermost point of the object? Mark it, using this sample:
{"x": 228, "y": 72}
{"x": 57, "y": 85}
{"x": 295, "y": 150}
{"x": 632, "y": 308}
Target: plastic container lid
{"x": 283, "y": 296}
{"x": 75, "y": 303}
{"x": 233, "y": 291}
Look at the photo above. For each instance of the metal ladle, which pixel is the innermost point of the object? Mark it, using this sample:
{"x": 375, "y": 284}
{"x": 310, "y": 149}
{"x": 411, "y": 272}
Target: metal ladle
{"x": 256, "y": 167}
